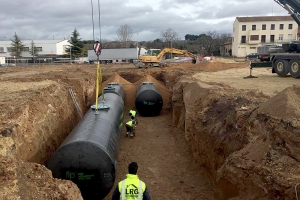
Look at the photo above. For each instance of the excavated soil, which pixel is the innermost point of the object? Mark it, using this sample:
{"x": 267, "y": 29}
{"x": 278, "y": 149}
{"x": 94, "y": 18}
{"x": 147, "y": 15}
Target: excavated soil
{"x": 219, "y": 135}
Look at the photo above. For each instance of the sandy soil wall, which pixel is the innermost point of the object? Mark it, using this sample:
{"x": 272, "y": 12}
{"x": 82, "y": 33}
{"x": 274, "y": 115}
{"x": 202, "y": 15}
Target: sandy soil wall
{"x": 246, "y": 141}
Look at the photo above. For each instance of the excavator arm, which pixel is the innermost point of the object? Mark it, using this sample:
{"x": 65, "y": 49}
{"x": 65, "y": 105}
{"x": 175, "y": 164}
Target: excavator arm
{"x": 175, "y": 51}
{"x": 293, "y": 7}
{"x": 150, "y": 61}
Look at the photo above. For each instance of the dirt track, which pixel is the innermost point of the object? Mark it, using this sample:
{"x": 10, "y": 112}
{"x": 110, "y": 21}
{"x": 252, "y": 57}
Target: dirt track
{"x": 215, "y": 126}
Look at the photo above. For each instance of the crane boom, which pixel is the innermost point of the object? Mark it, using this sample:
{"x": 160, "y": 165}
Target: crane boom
{"x": 289, "y": 61}
{"x": 293, "y": 7}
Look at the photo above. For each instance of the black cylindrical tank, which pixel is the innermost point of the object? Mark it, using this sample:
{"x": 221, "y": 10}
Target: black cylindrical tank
{"x": 114, "y": 87}
{"x": 88, "y": 155}
{"x": 148, "y": 100}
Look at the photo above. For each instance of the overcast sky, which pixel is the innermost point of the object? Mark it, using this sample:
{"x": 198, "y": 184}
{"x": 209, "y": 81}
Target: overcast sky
{"x": 56, "y": 19}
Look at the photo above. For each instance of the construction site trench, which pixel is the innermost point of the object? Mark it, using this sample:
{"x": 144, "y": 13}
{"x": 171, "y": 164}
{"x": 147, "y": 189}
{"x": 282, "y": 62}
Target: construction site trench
{"x": 218, "y": 135}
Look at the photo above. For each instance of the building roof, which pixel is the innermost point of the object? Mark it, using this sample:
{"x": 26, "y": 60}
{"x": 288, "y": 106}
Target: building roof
{"x": 226, "y": 43}
{"x": 265, "y": 18}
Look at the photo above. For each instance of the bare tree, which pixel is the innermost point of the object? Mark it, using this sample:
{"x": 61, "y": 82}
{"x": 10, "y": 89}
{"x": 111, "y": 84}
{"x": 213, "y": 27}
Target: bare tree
{"x": 211, "y": 41}
{"x": 168, "y": 36}
{"x": 124, "y": 34}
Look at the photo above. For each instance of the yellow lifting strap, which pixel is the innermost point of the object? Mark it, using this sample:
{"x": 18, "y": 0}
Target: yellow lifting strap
{"x": 98, "y": 87}
{"x": 99, "y": 84}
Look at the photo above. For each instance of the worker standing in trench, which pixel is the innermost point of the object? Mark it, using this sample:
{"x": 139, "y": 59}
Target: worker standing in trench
{"x": 131, "y": 188}
{"x": 130, "y": 125}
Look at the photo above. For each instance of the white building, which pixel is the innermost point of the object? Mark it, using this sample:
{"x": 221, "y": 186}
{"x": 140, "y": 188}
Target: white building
{"x": 47, "y": 48}
{"x": 252, "y": 32}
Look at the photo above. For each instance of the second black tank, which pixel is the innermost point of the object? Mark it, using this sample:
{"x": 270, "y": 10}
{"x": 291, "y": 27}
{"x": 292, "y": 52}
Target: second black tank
{"x": 148, "y": 100}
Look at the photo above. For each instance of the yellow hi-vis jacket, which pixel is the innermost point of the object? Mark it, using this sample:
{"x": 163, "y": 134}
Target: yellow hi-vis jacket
{"x": 133, "y": 113}
{"x": 130, "y": 123}
{"x": 131, "y": 188}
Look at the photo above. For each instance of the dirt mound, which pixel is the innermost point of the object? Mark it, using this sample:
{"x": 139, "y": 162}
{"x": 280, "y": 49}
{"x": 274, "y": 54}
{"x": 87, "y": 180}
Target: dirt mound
{"x": 30, "y": 178}
{"x": 118, "y": 79}
{"x": 284, "y": 105}
{"x": 223, "y": 60}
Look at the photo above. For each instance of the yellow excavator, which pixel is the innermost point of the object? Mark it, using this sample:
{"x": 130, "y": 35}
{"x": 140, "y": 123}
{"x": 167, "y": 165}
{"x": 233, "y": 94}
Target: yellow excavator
{"x": 156, "y": 61}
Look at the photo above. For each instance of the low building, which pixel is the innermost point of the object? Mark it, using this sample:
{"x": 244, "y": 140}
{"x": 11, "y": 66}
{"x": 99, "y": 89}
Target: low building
{"x": 46, "y": 48}
{"x": 226, "y": 49}
{"x": 252, "y": 32}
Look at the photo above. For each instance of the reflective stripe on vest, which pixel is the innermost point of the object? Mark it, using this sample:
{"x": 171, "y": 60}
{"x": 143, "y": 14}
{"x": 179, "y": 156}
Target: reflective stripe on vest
{"x": 130, "y": 196}
{"x": 130, "y": 123}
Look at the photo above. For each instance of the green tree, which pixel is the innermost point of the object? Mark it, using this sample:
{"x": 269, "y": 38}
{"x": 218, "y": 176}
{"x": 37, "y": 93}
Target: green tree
{"x": 16, "y": 47}
{"x": 190, "y": 37}
{"x": 76, "y": 49}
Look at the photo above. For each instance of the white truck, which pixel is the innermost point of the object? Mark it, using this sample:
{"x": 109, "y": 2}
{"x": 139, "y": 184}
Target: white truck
{"x": 123, "y": 55}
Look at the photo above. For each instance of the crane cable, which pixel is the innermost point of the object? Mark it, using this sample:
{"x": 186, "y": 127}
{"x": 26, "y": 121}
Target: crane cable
{"x": 97, "y": 49}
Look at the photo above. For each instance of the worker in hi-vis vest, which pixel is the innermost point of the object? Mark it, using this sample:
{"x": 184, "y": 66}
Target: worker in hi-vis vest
{"x": 131, "y": 188}
{"x": 130, "y": 125}
{"x": 134, "y": 114}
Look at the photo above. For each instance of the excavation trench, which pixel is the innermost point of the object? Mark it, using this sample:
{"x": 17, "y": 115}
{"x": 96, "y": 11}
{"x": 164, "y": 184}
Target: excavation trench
{"x": 166, "y": 164}
{"x": 199, "y": 147}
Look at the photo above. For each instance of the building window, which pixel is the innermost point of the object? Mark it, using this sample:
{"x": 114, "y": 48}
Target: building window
{"x": 272, "y": 38}
{"x": 25, "y": 49}
{"x": 272, "y": 26}
{"x": 281, "y": 26}
{"x": 39, "y": 48}
{"x": 243, "y": 27}
{"x": 253, "y": 27}
{"x": 252, "y": 47}
{"x": 2, "y": 49}
{"x": 263, "y": 27}
{"x": 254, "y": 37}
{"x": 263, "y": 39}
{"x": 9, "y": 49}
{"x": 280, "y": 38}
{"x": 290, "y": 26}
{"x": 243, "y": 39}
